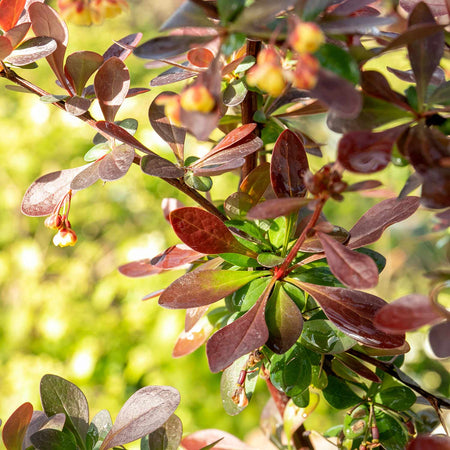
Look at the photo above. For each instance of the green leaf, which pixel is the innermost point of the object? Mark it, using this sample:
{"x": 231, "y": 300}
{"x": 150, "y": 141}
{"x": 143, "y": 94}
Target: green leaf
{"x": 52, "y": 98}
{"x": 269, "y": 259}
{"x": 247, "y": 227}
{"x": 339, "y": 395}
{"x": 277, "y": 232}
{"x": 399, "y": 398}
{"x": 302, "y": 400}
{"x": 97, "y": 152}
{"x": 393, "y": 434}
{"x": 239, "y": 260}
{"x": 379, "y": 259}
{"x": 234, "y": 93}
{"x": 245, "y": 297}
{"x": 61, "y": 396}
{"x": 229, "y": 9}
{"x": 203, "y": 184}
{"x": 248, "y": 62}
{"x": 324, "y": 337}
{"x": 291, "y": 372}
{"x": 317, "y": 275}
{"x": 167, "y": 436}
{"x": 49, "y": 439}
{"x": 334, "y": 431}
{"x": 319, "y": 377}
{"x": 295, "y": 294}
{"x": 98, "y": 429}
{"x": 339, "y": 61}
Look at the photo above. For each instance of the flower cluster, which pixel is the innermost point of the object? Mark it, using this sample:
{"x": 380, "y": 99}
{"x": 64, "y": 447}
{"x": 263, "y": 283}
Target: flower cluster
{"x": 88, "y": 12}
{"x": 271, "y": 74}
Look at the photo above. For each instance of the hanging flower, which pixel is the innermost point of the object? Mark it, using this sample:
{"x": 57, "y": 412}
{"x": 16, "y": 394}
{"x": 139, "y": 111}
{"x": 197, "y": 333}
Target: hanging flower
{"x": 305, "y": 73}
{"x": 88, "y": 12}
{"x": 65, "y": 237}
{"x": 306, "y": 37}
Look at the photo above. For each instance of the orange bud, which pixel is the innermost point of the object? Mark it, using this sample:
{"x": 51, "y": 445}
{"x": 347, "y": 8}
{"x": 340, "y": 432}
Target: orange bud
{"x": 54, "y": 221}
{"x": 171, "y": 107}
{"x": 65, "y": 237}
{"x": 306, "y": 72}
{"x": 306, "y": 37}
{"x": 267, "y": 77}
{"x": 197, "y": 98}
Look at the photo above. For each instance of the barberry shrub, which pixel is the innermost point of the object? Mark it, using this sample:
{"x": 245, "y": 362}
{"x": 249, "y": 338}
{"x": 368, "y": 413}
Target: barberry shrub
{"x": 292, "y": 286}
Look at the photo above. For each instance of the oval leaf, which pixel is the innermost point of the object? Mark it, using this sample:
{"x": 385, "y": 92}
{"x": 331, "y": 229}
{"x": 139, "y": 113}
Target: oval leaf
{"x": 189, "y": 341}
{"x": 16, "y": 426}
{"x": 141, "y": 268}
{"x": 53, "y": 440}
{"x": 428, "y": 441}
{"x": 116, "y": 164}
{"x": 176, "y": 256}
{"x": 289, "y": 163}
{"x": 80, "y": 66}
{"x": 32, "y": 50}
{"x": 123, "y": 51}
{"x": 273, "y": 208}
{"x": 439, "y": 342}
{"x": 204, "y": 287}
{"x": 355, "y": 270}
{"x": 168, "y": 436}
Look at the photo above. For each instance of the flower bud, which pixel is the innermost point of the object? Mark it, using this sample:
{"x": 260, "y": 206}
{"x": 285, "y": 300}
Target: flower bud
{"x": 306, "y": 72}
{"x": 65, "y": 237}
{"x": 306, "y": 37}
{"x": 197, "y": 98}
{"x": 171, "y": 107}
{"x": 54, "y": 221}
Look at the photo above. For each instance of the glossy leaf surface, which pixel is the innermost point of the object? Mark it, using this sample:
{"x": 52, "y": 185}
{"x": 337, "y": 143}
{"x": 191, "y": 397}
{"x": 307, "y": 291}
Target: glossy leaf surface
{"x": 15, "y": 427}
{"x": 339, "y": 395}
{"x": 111, "y": 84}
{"x": 406, "y": 314}
{"x": 353, "y": 312}
{"x": 80, "y": 66}
{"x": 144, "y": 412}
{"x": 358, "y": 367}
{"x": 273, "y": 208}
{"x": 204, "y": 232}
{"x": 53, "y": 440}
{"x": 371, "y": 225}
{"x": 167, "y": 436}
{"x": 428, "y": 441}
{"x": 256, "y": 182}
{"x": 399, "y": 398}
{"x": 31, "y": 50}
{"x": 355, "y": 270}
{"x": 204, "y": 287}
{"x": 288, "y": 164}
{"x": 242, "y": 336}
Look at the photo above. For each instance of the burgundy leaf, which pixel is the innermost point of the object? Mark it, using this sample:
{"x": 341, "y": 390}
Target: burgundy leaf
{"x": 115, "y": 165}
{"x": 170, "y": 133}
{"x": 437, "y": 78}
{"x": 204, "y": 232}
{"x": 189, "y": 341}
{"x": 363, "y": 185}
{"x": 339, "y": 94}
{"x": 141, "y": 268}
{"x": 288, "y": 164}
{"x": 237, "y": 205}
{"x": 372, "y": 224}
{"x": 18, "y": 33}
{"x": 86, "y": 178}
{"x": 32, "y": 50}
{"x": 242, "y": 336}
{"x": 355, "y": 270}
{"x": 424, "y": 52}
{"x": 5, "y": 47}
{"x": 437, "y": 7}
{"x": 16, "y": 426}
{"x": 199, "y": 124}
{"x": 439, "y": 341}
{"x": 406, "y": 314}
{"x": 356, "y": 24}
{"x": 153, "y": 294}
{"x": 436, "y": 188}
{"x": 38, "y": 420}
{"x": 365, "y": 151}
{"x": 193, "y": 315}
{"x": 168, "y": 205}
{"x": 111, "y": 84}
{"x": 172, "y": 75}
{"x": 350, "y": 6}
{"x": 144, "y": 412}
{"x": 77, "y": 105}
{"x": 46, "y": 22}
{"x": 156, "y": 166}
{"x": 116, "y": 50}
{"x": 191, "y": 15}
{"x": 256, "y": 182}
{"x": 44, "y": 193}
{"x": 164, "y": 47}
{"x": 358, "y": 367}
{"x": 80, "y": 66}
{"x": 312, "y": 244}
{"x": 203, "y": 287}
{"x": 11, "y": 10}
{"x": 270, "y": 209}
{"x": 222, "y": 440}
{"x": 200, "y": 57}
{"x": 132, "y": 92}
{"x": 353, "y": 313}
{"x": 428, "y": 442}
{"x": 176, "y": 256}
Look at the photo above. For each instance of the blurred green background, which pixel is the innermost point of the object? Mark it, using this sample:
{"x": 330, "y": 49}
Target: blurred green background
{"x": 69, "y": 312}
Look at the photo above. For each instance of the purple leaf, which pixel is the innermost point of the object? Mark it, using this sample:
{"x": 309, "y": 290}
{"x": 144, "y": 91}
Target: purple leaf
{"x": 242, "y": 336}
{"x": 199, "y": 288}
{"x": 44, "y": 193}
{"x": 172, "y": 75}
{"x": 287, "y": 166}
{"x": 270, "y": 209}
{"x": 141, "y": 268}
{"x": 355, "y": 25}
{"x": 80, "y": 66}
{"x": 159, "y": 167}
{"x": 437, "y": 7}
{"x": 372, "y": 224}
{"x": 111, "y": 84}
{"x": 436, "y": 188}
{"x": 355, "y": 270}
{"x": 221, "y": 439}
{"x": 358, "y": 367}
{"x": 16, "y": 426}
{"x": 353, "y": 313}
{"x": 116, "y": 50}
{"x": 144, "y": 412}
{"x": 439, "y": 341}
{"x": 406, "y": 314}
{"x": 77, "y": 105}
{"x": 86, "y": 178}
{"x": 115, "y": 165}
{"x": 32, "y": 50}
{"x": 176, "y": 256}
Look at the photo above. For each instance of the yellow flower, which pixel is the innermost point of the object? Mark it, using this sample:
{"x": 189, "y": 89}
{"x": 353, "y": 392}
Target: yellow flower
{"x": 306, "y": 37}
{"x": 197, "y": 98}
{"x": 306, "y": 72}
{"x": 88, "y": 12}
{"x": 171, "y": 107}
{"x": 65, "y": 237}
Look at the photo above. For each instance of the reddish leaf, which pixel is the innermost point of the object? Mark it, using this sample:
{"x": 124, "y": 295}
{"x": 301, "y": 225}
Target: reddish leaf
{"x": 365, "y": 151}
{"x": 144, "y": 412}
{"x": 176, "y": 256}
{"x": 242, "y": 336}
{"x": 204, "y": 232}
{"x": 172, "y": 75}
{"x": 437, "y": 7}
{"x": 256, "y": 182}
{"x": 436, "y": 188}
{"x": 439, "y": 341}
{"x": 437, "y": 78}
{"x": 270, "y": 209}
{"x": 11, "y": 10}
{"x": 32, "y": 50}
{"x": 156, "y": 166}
{"x": 116, "y": 50}
{"x": 116, "y": 164}
{"x": 406, "y": 314}
{"x": 5, "y": 47}
{"x": 191, "y": 16}
{"x": 358, "y": 367}
{"x": 428, "y": 442}
{"x": 355, "y": 270}
{"x": 136, "y": 91}
{"x": 288, "y": 164}
{"x": 203, "y": 438}
{"x": 200, "y": 57}
{"x": 284, "y": 321}
{"x": 189, "y": 341}
{"x": 193, "y": 315}
{"x": 199, "y": 124}
{"x": 313, "y": 245}
{"x": 199, "y": 288}
{"x": 170, "y": 133}
{"x": 111, "y": 84}
{"x": 80, "y": 66}
{"x": 77, "y": 105}
{"x": 16, "y": 426}
{"x": 44, "y": 193}
{"x": 18, "y": 33}
{"x": 424, "y": 52}
{"x": 86, "y": 178}
{"x": 372, "y": 224}
{"x": 356, "y": 24}
{"x": 46, "y": 22}
{"x": 353, "y": 313}
{"x": 141, "y": 268}
{"x": 237, "y": 205}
